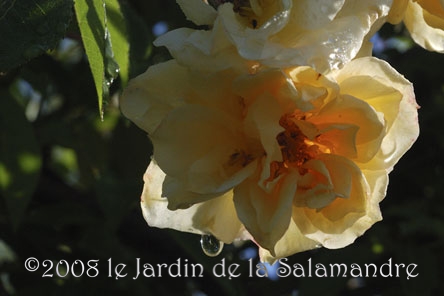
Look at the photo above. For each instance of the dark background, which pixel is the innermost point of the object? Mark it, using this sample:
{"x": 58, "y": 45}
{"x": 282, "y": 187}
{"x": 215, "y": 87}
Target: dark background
{"x": 79, "y": 180}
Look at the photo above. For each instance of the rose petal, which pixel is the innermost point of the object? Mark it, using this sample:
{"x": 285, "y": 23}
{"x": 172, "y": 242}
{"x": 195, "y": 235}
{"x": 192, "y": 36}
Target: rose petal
{"x": 335, "y": 225}
{"x": 340, "y": 137}
{"x": 198, "y": 11}
{"x": 425, "y": 28}
{"x": 315, "y": 188}
{"x": 217, "y": 216}
{"x": 179, "y": 195}
{"x": 149, "y": 97}
{"x": 314, "y": 89}
{"x": 392, "y": 95}
{"x": 186, "y": 142}
{"x": 266, "y": 215}
{"x": 203, "y": 50}
{"x": 293, "y": 241}
{"x": 264, "y": 115}
{"x": 252, "y": 43}
{"x": 324, "y": 34}
{"x": 397, "y": 11}
{"x": 353, "y": 111}
{"x": 337, "y": 28}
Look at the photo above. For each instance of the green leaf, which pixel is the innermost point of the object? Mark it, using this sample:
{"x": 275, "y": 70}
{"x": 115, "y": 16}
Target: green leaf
{"x": 29, "y": 28}
{"x": 91, "y": 19}
{"x": 116, "y": 25}
{"x": 103, "y": 31}
{"x": 20, "y": 159}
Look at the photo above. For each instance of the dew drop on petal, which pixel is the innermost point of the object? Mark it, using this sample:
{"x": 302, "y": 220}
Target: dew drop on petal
{"x": 211, "y": 246}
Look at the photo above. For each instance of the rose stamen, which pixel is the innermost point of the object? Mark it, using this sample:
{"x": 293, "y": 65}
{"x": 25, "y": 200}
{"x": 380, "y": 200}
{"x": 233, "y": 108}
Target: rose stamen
{"x": 296, "y": 148}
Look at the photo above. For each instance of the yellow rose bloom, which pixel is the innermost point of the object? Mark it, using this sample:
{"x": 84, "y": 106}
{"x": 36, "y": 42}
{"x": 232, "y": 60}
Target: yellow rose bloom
{"x": 289, "y": 158}
{"x": 424, "y": 20}
{"x": 322, "y": 34}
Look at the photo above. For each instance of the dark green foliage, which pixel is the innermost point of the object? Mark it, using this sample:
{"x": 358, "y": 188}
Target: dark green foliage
{"x": 29, "y": 28}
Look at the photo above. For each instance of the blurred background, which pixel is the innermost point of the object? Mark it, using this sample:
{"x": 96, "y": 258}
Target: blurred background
{"x": 70, "y": 182}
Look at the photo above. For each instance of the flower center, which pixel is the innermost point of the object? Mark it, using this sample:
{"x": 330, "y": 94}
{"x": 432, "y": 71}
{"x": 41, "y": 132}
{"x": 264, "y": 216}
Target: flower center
{"x": 295, "y": 151}
{"x": 296, "y": 148}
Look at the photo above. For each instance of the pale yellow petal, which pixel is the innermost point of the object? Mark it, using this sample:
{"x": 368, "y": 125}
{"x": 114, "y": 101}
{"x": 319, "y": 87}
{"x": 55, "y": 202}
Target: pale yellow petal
{"x": 292, "y": 242}
{"x": 217, "y": 216}
{"x": 249, "y": 87}
{"x": 198, "y": 11}
{"x": 177, "y": 192}
{"x": 266, "y": 215}
{"x": 336, "y": 28}
{"x": 314, "y": 89}
{"x": 336, "y": 225}
{"x": 154, "y": 206}
{"x": 206, "y": 143}
{"x": 314, "y": 14}
{"x": 433, "y": 7}
{"x": 203, "y": 50}
{"x": 263, "y": 116}
{"x": 324, "y": 34}
{"x": 378, "y": 181}
{"x": 397, "y": 11}
{"x": 390, "y": 94}
{"x": 252, "y": 43}
{"x": 350, "y": 110}
{"x": 327, "y": 178}
{"x": 340, "y": 138}
{"x": 426, "y": 28}
{"x": 149, "y": 97}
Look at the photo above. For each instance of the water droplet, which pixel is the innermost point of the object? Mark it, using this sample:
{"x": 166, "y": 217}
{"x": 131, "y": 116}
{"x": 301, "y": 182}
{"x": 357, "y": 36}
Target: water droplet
{"x": 211, "y": 246}
{"x": 111, "y": 68}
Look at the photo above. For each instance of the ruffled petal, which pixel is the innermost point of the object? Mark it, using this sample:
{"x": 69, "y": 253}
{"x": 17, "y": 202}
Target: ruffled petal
{"x": 205, "y": 145}
{"x": 390, "y": 94}
{"x": 335, "y": 225}
{"x": 263, "y": 116}
{"x": 198, "y": 11}
{"x": 340, "y": 137}
{"x": 426, "y": 27}
{"x": 348, "y": 110}
{"x": 292, "y": 242}
{"x": 319, "y": 186}
{"x": 203, "y": 50}
{"x": 265, "y": 214}
{"x": 397, "y": 11}
{"x": 217, "y": 216}
{"x": 149, "y": 97}
{"x": 252, "y": 43}
{"x": 324, "y": 34}
{"x": 336, "y": 28}
{"x": 179, "y": 195}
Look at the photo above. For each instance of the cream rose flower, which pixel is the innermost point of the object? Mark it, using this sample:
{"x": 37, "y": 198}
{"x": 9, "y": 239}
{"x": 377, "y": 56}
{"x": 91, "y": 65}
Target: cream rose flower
{"x": 323, "y": 34}
{"x": 290, "y": 158}
{"x": 424, "y": 20}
